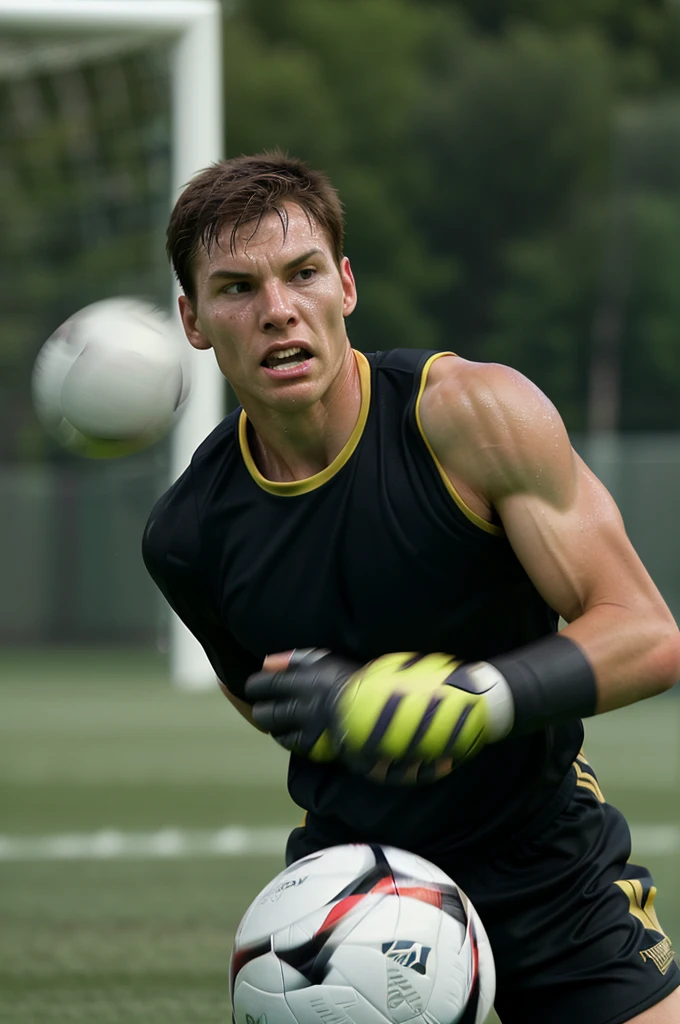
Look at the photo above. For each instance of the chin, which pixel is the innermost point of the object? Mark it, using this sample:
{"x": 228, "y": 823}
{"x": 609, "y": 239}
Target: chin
{"x": 295, "y": 396}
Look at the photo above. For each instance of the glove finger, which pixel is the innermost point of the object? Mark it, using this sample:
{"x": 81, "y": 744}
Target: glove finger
{"x": 394, "y": 773}
{"x": 307, "y": 656}
{"x": 417, "y": 773}
{"x": 278, "y": 717}
{"x": 289, "y": 740}
{"x": 433, "y": 771}
{"x": 317, "y": 748}
{"x": 400, "y": 772}
{"x": 268, "y": 686}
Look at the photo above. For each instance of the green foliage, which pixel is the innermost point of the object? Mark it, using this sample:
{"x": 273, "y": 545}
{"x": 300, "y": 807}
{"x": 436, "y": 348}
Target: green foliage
{"x": 338, "y": 84}
{"x": 541, "y": 315}
{"x": 650, "y": 344}
{"x": 472, "y": 144}
{"x": 643, "y": 32}
{"x": 517, "y": 135}
{"x": 486, "y": 151}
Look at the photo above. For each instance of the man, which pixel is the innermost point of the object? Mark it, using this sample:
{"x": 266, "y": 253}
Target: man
{"x": 411, "y": 525}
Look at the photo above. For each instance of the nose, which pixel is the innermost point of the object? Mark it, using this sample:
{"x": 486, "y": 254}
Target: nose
{"x": 277, "y": 308}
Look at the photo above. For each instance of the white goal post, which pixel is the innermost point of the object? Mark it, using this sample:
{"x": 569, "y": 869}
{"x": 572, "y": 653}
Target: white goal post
{"x": 193, "y": 27}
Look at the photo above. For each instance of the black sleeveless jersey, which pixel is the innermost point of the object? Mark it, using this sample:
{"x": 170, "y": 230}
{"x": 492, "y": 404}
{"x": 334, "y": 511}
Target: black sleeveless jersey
{"x": 377, "y": 553}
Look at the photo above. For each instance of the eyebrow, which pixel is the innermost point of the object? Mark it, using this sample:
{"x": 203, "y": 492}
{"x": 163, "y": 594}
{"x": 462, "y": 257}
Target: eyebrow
{"x": 240, "y": 275}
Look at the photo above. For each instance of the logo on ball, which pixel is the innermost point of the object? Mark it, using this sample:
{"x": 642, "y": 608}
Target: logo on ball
{"x": 408, "y": 954}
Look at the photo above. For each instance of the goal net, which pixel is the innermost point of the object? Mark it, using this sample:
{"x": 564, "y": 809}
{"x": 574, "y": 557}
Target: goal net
{"x": 108, "y": 107}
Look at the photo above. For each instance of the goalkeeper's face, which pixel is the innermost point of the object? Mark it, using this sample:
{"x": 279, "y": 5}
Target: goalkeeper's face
{"x": 273, "y": 308}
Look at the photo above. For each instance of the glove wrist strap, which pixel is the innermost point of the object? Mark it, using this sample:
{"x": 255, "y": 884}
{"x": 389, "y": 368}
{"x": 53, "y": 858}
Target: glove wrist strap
{"x": 550, "y": 682}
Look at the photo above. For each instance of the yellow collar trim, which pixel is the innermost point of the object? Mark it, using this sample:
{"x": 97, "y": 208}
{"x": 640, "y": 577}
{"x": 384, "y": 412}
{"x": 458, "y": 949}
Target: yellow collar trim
{"x": 491, "y": 528}
{"x": 290, "y": 488}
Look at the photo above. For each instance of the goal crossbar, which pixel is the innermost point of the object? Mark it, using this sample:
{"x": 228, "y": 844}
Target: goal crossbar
{"x": 166, "y": 17}
{"x": 194, "y": 29}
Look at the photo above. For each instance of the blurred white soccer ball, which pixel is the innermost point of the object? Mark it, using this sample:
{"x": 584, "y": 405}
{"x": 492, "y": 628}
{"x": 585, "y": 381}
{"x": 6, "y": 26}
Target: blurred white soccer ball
{"x": 361, "y": 935}
{"x": 112, "y": 379}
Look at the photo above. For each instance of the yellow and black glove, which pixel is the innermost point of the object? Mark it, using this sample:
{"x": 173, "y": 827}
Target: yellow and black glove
{"x": 401, "y": 718}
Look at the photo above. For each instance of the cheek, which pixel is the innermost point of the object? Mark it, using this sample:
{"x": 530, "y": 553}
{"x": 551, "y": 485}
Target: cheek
{"x": 324, "y": 306}
{"x": 234, "y": 319}
{"x": 223, "y": 328}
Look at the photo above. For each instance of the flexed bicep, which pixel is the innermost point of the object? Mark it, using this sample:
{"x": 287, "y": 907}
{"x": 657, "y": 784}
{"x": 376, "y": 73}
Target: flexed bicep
{"x": 496, "y": 431}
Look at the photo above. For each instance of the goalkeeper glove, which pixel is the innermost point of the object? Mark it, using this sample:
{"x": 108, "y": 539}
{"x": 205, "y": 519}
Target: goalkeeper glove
{"x": 405, "y": 717}
{"x": 297, "y": 704}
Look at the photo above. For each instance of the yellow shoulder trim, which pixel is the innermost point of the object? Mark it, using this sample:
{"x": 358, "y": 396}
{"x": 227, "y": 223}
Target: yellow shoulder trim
{"x": 290, "y": 488}
{"x": 496, "y": 531}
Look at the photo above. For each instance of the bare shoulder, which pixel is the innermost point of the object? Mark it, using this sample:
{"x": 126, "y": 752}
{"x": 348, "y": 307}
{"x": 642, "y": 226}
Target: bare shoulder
{"x": 482, "y": 397}
{"x": 492, "y": 426}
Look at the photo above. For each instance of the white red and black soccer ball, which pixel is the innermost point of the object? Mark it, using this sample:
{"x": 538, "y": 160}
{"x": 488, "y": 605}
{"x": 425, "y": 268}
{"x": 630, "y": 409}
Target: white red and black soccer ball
{"x": 361, "y": 934}
{"x": 112, "y": 379}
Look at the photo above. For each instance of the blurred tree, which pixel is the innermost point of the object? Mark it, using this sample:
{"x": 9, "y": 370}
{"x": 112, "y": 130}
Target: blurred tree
{"x": 645, "y": 33}
{"x": 541, "y": 315}
{"x": 472, "y": 147}
{"x": 650, "y": 344}
{"x": 488, "y": 154}
{"x": 338, "y": 84}
{"x": 518, "y": 137}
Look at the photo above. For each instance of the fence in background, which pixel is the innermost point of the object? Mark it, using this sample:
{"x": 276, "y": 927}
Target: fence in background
{"x": 70, "y": 537}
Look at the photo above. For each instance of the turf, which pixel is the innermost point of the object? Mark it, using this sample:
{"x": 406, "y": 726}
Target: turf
{"x": 101, "y": 740}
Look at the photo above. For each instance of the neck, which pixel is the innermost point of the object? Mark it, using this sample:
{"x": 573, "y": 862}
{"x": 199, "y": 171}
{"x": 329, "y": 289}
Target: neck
{"x": 295, "y": 445}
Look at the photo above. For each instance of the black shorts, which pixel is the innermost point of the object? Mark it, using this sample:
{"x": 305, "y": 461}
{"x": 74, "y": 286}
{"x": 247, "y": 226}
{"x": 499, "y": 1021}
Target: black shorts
{"x": 571, "y": 922}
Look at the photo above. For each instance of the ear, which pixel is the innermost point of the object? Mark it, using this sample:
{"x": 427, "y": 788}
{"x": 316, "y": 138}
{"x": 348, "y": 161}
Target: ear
{"x": 192, "y": 328}
{"x": 349, "y": 288}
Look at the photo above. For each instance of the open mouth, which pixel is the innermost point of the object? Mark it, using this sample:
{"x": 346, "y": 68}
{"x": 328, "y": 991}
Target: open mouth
{"x": 286, "y": 358}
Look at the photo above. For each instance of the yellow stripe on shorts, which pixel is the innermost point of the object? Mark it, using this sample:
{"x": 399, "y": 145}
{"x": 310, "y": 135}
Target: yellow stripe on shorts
{"x": 586, "y": 778}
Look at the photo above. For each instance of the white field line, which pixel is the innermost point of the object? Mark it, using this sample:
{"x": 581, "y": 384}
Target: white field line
{"x": 167, "y": 843}
{"x": 234, "y": 841}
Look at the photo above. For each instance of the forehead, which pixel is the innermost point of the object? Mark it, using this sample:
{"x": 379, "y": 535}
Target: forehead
{"x": 275, "y": 238}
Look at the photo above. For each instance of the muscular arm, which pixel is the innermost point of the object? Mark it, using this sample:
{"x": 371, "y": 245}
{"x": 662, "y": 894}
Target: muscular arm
{"x": 504, "y": 446}
{"x": 413, "y": 717}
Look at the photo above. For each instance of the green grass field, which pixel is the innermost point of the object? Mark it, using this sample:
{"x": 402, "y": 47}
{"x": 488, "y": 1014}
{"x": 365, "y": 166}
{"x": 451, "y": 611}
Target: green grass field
{"x": 99, "y": 746}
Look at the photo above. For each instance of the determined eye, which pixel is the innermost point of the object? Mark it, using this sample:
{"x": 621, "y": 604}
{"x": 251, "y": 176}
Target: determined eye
{"x": 237, "y": 288}
{"x": 306, "y": 274}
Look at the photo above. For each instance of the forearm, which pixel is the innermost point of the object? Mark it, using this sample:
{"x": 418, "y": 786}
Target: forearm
{"x": 633, "y": 656}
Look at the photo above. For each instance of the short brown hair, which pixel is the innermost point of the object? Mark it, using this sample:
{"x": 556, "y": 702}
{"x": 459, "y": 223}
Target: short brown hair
{"x": 241, "y": 191}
